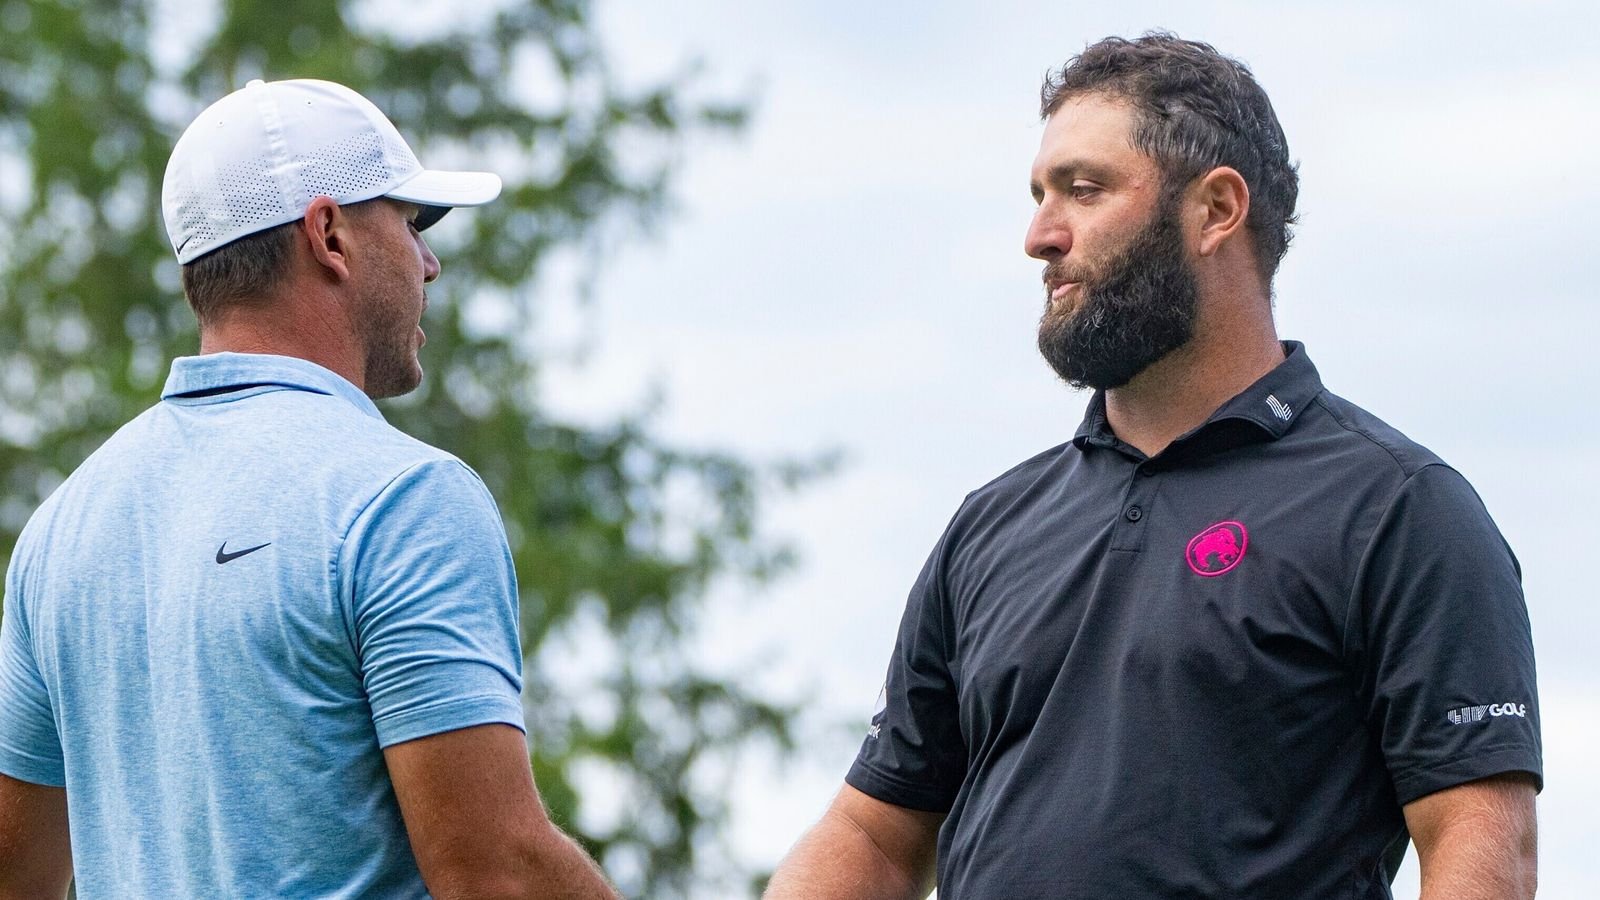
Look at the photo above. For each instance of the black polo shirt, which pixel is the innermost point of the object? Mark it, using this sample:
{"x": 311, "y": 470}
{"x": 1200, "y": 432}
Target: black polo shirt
{"x": 1215, "y": 672}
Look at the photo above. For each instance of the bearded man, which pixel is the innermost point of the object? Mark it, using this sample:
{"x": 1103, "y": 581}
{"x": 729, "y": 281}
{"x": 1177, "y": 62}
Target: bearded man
{"x": 1238, "y": 637}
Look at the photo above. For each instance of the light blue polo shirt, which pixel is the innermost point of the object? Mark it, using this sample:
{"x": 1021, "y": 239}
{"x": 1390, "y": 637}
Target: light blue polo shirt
{"x": 214, "y": 625}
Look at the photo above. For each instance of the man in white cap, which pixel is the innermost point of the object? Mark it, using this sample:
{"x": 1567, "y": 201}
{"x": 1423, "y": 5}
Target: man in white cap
{"x": 261, "y": 644}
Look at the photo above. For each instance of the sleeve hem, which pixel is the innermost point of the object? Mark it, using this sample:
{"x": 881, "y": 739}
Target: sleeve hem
{"x": 31, "y": 769}
{"x": 451, "y": 715}
{"x": 892, "y": 790}
{"x": 1420, "y": 783}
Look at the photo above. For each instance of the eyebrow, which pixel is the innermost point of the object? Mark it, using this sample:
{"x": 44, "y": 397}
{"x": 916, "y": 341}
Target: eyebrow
{"x": 1060, "y": 175}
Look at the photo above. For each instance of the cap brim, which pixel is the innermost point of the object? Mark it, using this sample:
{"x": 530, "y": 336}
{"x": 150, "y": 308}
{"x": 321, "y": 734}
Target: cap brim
{"x": 448, "y": 189}
{"x": 428, "y": 216}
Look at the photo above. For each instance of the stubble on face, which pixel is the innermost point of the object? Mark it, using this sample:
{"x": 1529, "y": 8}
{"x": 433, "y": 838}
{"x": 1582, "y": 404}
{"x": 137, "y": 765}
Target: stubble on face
{"x": 389, "y": 335}
{"x": 1137, "y": 305}
{"x": 390, "y": 307}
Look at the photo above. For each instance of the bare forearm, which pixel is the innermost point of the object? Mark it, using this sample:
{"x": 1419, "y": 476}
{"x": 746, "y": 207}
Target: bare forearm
{"x": 35, "y": 845}
{"x": 569, "y": 872}
{"x": 836, "y": 860}
{"x": 553, "y": 866}
{"x": 1480, "y": 870}
{"x": 20, "y": 892}
{"x": 16, "y": 883}
{"x": 476, "y": 824}
{"x": 1477, "y": 841}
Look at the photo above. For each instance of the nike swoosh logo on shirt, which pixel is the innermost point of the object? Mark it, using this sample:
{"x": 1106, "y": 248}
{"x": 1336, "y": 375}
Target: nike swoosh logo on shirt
{"x": 224, "y": 556}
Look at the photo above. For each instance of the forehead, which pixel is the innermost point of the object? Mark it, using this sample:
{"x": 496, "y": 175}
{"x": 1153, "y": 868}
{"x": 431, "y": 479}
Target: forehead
{"x": 1091, "y": 129}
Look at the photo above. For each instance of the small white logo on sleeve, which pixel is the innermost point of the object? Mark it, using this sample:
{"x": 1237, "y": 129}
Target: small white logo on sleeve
{"x": 1466, "y": 715}
{"x": 878, "y": 711}
{"x": 1279, "y": 408}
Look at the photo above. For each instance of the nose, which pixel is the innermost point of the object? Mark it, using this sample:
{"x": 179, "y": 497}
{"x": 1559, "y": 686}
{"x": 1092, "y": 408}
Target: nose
{"x": 1048, "y": 238}
{"x": 430, "y": 263}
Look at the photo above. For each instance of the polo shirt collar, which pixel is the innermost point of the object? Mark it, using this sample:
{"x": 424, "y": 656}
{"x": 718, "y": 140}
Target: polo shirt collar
{"x": 216, "y": 377}
{"x": 1277, "y": 398}
{"x": 1272, "y": 404}
{"x": 1094, "y": 429}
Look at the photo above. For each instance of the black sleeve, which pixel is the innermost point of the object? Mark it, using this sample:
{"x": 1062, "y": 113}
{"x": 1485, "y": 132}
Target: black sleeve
{"x": 1445, "y": 648}
{"x": 914, "y": 755}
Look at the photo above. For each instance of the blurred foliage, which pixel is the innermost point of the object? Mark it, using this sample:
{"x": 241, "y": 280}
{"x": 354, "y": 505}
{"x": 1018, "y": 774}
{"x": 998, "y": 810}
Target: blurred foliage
{"x": 616, "y": 535}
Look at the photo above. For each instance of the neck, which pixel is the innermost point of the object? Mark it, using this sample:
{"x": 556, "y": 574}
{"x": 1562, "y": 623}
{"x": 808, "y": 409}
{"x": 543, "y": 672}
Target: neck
{"x": 287, "y": 328}
{"x": 1181, "y": 390}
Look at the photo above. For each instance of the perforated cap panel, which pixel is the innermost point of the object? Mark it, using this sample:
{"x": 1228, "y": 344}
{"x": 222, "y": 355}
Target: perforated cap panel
{"x": 257, "y": 157}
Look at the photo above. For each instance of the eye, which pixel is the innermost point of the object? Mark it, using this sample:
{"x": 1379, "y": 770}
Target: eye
{"x": 1082, "y": 191}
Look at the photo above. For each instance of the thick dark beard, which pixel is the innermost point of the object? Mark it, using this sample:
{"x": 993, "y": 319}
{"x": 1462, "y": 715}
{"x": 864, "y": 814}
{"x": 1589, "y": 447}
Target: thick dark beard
{"x": 1137, "y": 309}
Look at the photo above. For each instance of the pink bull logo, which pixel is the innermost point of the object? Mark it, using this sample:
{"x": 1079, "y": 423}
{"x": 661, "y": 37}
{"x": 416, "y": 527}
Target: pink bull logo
{"x": 1217, "y": 549}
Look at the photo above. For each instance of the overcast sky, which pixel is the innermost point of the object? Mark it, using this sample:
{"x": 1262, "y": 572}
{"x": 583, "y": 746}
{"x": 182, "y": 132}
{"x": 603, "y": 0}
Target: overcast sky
{"x": 849, "y": 273}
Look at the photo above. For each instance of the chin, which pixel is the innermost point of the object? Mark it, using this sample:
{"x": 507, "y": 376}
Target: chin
{"x": 397, "y": 384}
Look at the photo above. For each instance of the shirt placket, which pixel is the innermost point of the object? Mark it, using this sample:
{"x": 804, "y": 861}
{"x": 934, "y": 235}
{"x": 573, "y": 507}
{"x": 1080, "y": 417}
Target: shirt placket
{"x": 1138, "y": 502}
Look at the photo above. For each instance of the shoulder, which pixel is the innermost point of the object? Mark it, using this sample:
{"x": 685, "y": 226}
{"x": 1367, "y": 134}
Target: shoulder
{"x": 390, "y": 452}
{"x": 1380, "y": 477}
{"x": 79, "y": 493}
{"x": 1014, "y": 484}
{"x": 446, "y": 488}
{"x": 1409, "y": 495}
{"x": 343, "y": 451}
{"x": 1366, "y": 439}
{"x": 293, "y": 459}
{"x": 402, "y": 485}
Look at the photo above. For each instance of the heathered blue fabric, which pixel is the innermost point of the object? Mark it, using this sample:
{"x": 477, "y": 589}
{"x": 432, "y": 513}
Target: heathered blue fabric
{"x": 218, "y": 726}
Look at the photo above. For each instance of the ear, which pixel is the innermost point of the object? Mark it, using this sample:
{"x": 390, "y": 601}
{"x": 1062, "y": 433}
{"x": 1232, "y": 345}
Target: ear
{"x": 329, "y": 230}
{"x": 1225, "y": 200}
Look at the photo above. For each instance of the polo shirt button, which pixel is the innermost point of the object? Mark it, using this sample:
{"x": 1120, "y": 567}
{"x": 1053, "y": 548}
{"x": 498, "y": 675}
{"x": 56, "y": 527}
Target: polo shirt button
{"x": 1147, "y": 471}
{"x": 1134, "y": 514}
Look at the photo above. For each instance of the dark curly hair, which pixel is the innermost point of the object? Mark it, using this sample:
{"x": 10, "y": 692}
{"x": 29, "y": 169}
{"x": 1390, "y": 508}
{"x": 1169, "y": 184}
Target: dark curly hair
{"x": 1195, "y": 110}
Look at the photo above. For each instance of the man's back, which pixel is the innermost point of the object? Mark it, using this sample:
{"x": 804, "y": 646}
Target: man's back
{"x": 261, "y": 644}
{"x": 230, "y": 607}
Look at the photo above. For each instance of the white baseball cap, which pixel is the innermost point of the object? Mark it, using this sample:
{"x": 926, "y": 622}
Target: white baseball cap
{"x": 259, "y": 156}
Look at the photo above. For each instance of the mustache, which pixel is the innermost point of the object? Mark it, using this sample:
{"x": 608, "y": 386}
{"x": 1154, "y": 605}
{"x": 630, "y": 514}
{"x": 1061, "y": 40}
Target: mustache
{"x": 1058, "y": 272}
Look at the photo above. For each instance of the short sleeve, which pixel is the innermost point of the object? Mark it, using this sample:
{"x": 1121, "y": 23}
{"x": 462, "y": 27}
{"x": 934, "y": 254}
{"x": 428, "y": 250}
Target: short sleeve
{"x": 30, "y": 746}
{"x": 914, "y": 754}
{"x": 1445, "y": 643}
{"x": 433, "y": 602}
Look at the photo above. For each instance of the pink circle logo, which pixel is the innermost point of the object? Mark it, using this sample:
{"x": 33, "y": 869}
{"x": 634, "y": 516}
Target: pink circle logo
{"x": 1217, "y": 549}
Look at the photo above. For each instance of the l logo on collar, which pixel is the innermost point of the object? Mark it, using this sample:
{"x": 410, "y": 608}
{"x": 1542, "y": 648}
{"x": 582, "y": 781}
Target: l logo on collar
{"x": 1217, "y": 549}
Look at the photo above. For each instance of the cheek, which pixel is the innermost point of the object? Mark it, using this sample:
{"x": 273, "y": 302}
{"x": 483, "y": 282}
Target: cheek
{"x": 1107, "y": 239}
